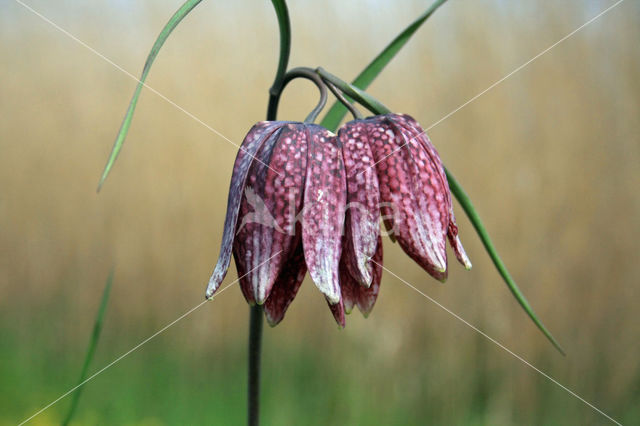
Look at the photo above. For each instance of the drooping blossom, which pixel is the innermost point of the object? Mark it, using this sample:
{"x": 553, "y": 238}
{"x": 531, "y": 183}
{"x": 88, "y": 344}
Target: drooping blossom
{"x": 303, "y": 199}
{"x": 415, "y": 199}
{"x": 286, "y": 166}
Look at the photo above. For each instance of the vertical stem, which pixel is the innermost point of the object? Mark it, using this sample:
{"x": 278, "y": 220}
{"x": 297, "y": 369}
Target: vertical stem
{"x": 255, "y": 347}
{"x": 255, "y": 316}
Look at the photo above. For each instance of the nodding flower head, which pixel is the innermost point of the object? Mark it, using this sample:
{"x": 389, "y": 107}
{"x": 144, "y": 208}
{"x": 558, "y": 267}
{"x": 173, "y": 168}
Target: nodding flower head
{"x": 415, "y": 199}
{"x": 304, "y": 199}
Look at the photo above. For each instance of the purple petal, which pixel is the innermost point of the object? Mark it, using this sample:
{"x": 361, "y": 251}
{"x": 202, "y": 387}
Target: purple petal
{"x": 258, "y": 134}
{"x": 323, "y": 211}
{"x": 273, "y": 196}
{"x": 337, "y": 309}
{"x": 363, "y": 200}
{"x": 452, "y": 230}
{"x": 286, "y": 286}
{"x": 404, "y": 204}
{"x": 430, "y": 185}
{"x": 348, "y": 287}
{"x": 245, "y": 283}
{"x": 354, "y": 293}
{"x": 454, "y": 240}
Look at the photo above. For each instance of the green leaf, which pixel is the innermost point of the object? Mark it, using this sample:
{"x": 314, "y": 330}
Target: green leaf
{"x": 124, "y": 127}
{"x": 93, "y": 343}
{"x": 471, "y": 212}
{"x": 284, "y": 26}
{"x": 371, "y": 71}
{"x": 376, "y": 107}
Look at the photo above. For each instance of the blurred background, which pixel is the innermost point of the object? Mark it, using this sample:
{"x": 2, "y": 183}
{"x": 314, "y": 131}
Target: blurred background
{"x": 550, "y": 157}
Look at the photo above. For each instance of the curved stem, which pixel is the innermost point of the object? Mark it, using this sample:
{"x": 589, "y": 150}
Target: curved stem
{"x": 284, "y": 26}
{"x": 309, "y": 74}
{"x": 340, "y": 97}
{"x": 360, "y": 96}
{"x": 255, "y": 348}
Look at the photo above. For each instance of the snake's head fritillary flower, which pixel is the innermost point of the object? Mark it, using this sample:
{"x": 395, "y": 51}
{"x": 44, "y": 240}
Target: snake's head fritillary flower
{"x": 415, "y": 199}
{"x": 302, "y": 199}
{"x": 289, "y": 188}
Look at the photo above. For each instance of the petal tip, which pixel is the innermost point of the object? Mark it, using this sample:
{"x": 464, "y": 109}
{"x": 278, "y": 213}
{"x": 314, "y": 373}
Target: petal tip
{"x": 332, "y": 298}
{"x": 272, "y": 322}
{"x": 211, "y": 288}
{"x": 366, "y": 270}
{"x": 440, "y": 262}
{"x": 464, "y": 259}
{"x": 259, "y": 297}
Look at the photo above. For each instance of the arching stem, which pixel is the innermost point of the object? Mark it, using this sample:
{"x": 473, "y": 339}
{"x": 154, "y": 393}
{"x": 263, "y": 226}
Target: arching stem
{"x": 340, "y": 97}
{"x": 309, "y": 74}
{"x": 360, "y": 96}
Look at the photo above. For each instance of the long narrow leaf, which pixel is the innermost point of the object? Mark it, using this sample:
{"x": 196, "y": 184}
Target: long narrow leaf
{"x": 376, "y": 107}
{"x": 471, "y": 212}
{"x": 93, "y": 343}
{"x": 284, "y": 26}
{"x": 371, "y": 71}
{"x": 126, "y": 122}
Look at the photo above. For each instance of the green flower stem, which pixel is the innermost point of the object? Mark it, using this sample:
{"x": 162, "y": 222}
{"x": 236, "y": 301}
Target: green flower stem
{"x": 340, "y": 97}
{"x": 376, "y": 107}
{"x": 255, "y": 314}
{"x": 255, "y": 350}
{"x": 284, "y": 26}
{"x": 309, "y": 74}
{"x": 363, "y": 98}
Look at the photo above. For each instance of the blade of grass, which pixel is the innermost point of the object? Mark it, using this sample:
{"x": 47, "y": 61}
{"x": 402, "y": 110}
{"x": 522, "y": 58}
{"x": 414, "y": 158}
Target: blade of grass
{"x": 155, "y": 49}
{"x": 93, "y": 343}
{"x": 337, "y": 112}
{"x": 284, "y": 26}
{"x": 376, "y": 107}
{"x": 473, "y": 216}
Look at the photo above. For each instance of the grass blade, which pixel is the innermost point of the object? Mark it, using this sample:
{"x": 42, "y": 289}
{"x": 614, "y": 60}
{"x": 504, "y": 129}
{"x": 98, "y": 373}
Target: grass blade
{"x": 473, "y": 216}
{"x": 337, "y": 112}
{"x": 284, "y": 26}
{"x": 376, "y": 107}
{"x": 93, "y": 343}
{"x": 126, "y": 122}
